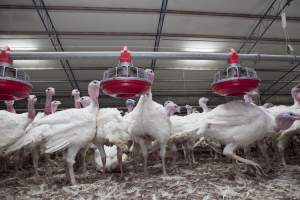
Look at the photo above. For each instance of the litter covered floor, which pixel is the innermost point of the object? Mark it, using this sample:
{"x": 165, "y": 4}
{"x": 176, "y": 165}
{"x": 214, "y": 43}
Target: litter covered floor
{"x": 208, "y": 179}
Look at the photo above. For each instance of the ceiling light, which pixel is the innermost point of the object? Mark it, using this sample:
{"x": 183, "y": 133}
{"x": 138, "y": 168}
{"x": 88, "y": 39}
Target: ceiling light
{"x": 23, "y": 48}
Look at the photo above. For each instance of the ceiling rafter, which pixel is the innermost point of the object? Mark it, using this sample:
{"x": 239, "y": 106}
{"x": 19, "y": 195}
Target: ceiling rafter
{"x": 42, "y": 11}
{"x": 161, "y": 20}
{"x": 135, "y": 34}
{"x": 263, "y": 25}
{"x": 147, "y": 10}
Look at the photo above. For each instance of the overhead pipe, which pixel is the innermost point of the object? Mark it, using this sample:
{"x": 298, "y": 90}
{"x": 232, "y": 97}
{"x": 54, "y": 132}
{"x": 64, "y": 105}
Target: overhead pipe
{"x": 149, "y": 55}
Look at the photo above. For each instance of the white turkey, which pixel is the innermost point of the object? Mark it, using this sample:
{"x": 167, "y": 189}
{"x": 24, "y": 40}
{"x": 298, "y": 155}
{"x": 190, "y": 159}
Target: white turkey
{"x": 268, "y": 105}
{"x": 150, "y": 121}
{"x": 85, "y": 101}
{"x": 215, "y": 148}
{"x": 76, "y": 95}
{"x": 111, "y": 130}
{"x": 189, "y": 109}
{"x": 195, "y": 110}
{"x": 238, "y": 124}
{"x": 181, "y": 124}
{"x": 284, "y": 137}
{"x": 203, "y": 104}
{"x": 26, "y": 139}
{"x": 171, "y": 109}
{"x": 111, "y": 138}
{"x": 68, "y": 130}
{"x": 248, "y": 99}
{"x": 10, "y": 106}
{"x": 13, "y": 125}
{"x": 113, "y": 153}
{"x": 111, "y": 158}
{"x": 130, "y": 103}
{"x": 72, "y": 129}
{"x": 34, "y": 147}
{"x": 50, "y": 92}
{"x": 261, "y": 144}
{"x": 54, "y": 106}
{"x": 295, "y": 92}
{"x": 82, "y": 152}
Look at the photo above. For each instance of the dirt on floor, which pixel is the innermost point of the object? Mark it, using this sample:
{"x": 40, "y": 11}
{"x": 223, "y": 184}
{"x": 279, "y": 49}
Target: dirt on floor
{"x": 208, "y": 179}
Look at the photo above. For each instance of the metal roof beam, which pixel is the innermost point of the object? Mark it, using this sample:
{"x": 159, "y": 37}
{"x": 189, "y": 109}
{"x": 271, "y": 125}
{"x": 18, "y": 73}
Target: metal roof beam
{"x": 42, "y": 11}
{"x": 135, "y": 34}
{"x": 154, "y": 91}
{"x": 146, "y": 10}
{"x": 156, "y": 80}
{"x": 263, "y": 25}
{"x": 160, "y": 25}
{"x": 160, "y": 69}
{"x": 27, "y": 55}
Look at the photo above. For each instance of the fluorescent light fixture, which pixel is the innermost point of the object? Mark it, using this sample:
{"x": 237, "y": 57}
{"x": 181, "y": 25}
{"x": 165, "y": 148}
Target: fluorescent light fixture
{"x": 23, "y": 49}
{"x": 202, "y": 46}
{"x": 35, "y": 63}
{"x": 20, "y": 44}
{"x": 195, "y": 62}
{"x": 203, "y": 50}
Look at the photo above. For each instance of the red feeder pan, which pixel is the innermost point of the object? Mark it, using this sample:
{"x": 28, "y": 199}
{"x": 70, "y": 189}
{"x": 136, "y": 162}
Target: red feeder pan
{"x": 14, "y": 83}
{"x": 235, "y": 80}
{"x": 235, "y": 87}
{"x": 125, "y": 81}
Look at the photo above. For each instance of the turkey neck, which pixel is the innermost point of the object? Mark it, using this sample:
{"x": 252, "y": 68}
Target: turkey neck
{"x": 77, "y": 101}
{"x": 296, "y": 103}
{"x": 203, "y": 106}
{"x": 10, "y": 108}
{"x": 94, "y": 94}
{"x": 31, "y": 110}
{"x": 170, "y": 112}
{"x": 47, "y": 109}
{"x": 53, "y": 108}
{"x": 248, "y": 98}
{"x": 129, "y": 108}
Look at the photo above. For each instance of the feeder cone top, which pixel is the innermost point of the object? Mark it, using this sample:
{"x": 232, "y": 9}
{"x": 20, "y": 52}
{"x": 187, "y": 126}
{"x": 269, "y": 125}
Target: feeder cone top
{"x": 125, "y": 56}
{"x": 4, "y": 56}
{"x": 234, "y": 57}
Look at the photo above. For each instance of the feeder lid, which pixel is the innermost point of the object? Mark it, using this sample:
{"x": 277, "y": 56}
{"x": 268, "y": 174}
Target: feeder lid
{"x": 4, "y": 56}
{"x": 234, "y": 57}
{"x": 125, "y": 56}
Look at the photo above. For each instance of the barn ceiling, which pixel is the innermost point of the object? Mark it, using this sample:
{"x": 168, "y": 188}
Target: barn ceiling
{"x": 190, "y": 25}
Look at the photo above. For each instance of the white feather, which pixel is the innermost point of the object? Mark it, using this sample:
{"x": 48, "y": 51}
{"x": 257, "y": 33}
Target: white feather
{"x": 111, "y": 158}
{"x": 12, "y": 127}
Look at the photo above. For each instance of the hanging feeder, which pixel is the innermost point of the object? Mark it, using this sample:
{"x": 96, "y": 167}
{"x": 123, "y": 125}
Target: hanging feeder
{"x": 125, "y": 81}
{"x": 14, "y": 83}
{"x": 235, "y": 80}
